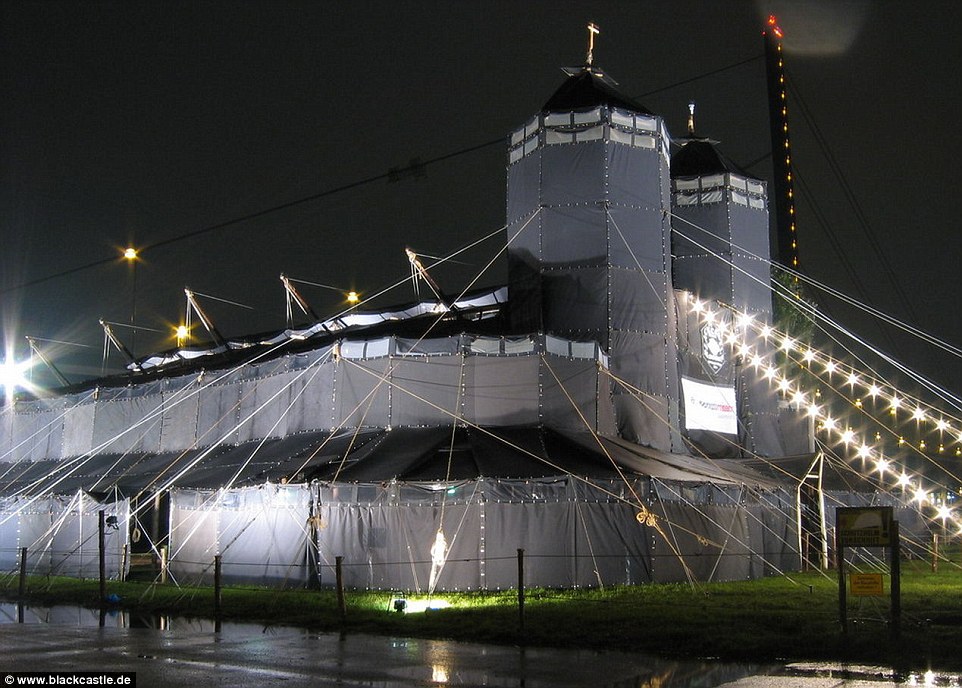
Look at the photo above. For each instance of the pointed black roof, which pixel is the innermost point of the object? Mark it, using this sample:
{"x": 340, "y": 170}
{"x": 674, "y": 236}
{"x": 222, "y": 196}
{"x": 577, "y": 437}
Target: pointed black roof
{"x": 587, "y": 89}
{"x": 699, "y": 157}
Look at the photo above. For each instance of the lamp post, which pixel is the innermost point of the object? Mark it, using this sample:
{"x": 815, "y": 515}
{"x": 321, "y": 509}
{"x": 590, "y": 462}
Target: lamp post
{"x": 130, "y": 255}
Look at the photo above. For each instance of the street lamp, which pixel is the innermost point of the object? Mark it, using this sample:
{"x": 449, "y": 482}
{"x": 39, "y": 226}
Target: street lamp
{"x": 131, "y": 255}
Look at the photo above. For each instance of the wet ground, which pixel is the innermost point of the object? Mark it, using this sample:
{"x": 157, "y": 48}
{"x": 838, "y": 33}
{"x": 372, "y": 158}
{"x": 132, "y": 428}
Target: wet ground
{"x": 177, "y": 652}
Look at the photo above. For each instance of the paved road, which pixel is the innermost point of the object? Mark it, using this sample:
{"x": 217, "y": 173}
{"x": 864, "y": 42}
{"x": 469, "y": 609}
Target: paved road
{"x": 190, "y": 653}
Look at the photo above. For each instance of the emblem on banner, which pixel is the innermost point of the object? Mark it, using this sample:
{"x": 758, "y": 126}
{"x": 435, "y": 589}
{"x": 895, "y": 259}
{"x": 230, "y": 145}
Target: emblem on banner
{"x": 712, "y": 346}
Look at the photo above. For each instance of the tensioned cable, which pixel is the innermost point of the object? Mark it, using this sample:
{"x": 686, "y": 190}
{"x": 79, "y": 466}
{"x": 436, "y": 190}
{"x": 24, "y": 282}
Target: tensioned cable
{"x": 849, "y": 193}
{"x": 815, "y": 313}
{"x": 870, "y": 310}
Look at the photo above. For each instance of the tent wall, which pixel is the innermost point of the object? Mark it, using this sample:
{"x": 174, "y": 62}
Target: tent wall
{"x": 261, "y": 533}
{"x": 61, "y": 535}
{"x": 573, "y": 534}
{"x": 378, "y": 383}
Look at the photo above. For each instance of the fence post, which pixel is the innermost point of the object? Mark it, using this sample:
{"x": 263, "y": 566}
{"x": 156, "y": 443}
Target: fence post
{"x": 521, "y": 588}
{"x": 217, "y": 586}
{"x": 339, "y": 577}
{"x": 935, "y": 552}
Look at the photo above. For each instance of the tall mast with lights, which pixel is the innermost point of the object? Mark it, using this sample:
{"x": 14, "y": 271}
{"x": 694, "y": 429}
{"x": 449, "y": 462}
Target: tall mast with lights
{"x": 784, "y": 192}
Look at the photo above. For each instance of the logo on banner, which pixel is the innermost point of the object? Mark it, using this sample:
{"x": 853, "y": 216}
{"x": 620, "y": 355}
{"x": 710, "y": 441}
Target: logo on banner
{"x": 709, "y": 407}
{"x": 712, "y": 346}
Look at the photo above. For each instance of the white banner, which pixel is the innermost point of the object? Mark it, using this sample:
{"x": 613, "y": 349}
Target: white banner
{"x": 709, "y": 407}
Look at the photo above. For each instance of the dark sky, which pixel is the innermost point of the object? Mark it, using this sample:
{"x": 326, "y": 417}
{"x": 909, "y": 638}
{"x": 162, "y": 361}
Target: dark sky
{"x": 134, "y": 122}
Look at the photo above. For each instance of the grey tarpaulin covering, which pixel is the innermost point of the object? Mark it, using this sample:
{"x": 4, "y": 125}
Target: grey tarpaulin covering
{"x": 61, "y": 535}
{"x": 261, "y": 534}
{"x": 387, "y": 383}
{"x": 574, "y": 532}
{"x": 589, "y": 254}
{"x": 490, "y": 492}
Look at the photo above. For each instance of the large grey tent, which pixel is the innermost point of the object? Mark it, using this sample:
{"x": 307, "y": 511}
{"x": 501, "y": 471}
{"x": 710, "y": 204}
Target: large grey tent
{"x": 583, "y": 413}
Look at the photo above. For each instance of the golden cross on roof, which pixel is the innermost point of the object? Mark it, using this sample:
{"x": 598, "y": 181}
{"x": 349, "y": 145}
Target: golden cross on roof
{"x": 592, "y": 30}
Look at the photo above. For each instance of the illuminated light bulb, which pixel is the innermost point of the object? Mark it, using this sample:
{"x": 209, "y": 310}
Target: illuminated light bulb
{"x": 852, "y": 379}
{"x": 958, "y": 451}
{"x": 744, "y": 350}
{"x": 878, "y": 437}
{"x": 766, "y": 332}
{"x": 799, "y": 398}
{"x": 941, "y": 425}
{"x": 808, "y": 356}
{"x": 922, "y": 445}
{"x": 745, "y": 321}
{"x": 944, "y": 512}
{"x": 848, "y": 436}
{"x": 904, "y": 480}
{"x": 941, "y": 449}
{"x": 882, "y": 465}
{"x": 873, "y": 391}
{"x": 920, "y": 496}
{"x": 829, "y": 423}
{"x": 918, "y": 414}
{"x": 353, "y": 297}
{"x": 813, "y": 410}
{"x": 770, "y": 373}
{"x": 858, "y": 403}
{"x": 710, "y": 317}
{"x": 830, "y": 367}
{"x": 784, "y": 385}
{"x": 130, "y": 253}
{"x": 788, "y": 344}
{"x": 697, "y": 306}
{"x": 901, "y": 441}
{"x": 818, "y": 393}
{"x": 864, "y": 451}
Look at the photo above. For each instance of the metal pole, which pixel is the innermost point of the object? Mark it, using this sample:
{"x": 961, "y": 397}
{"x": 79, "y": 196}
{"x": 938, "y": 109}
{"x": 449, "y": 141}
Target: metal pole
{"x": 163, "y": 563}
{"x": 23, "y": 572}
{"x": 102, "y": 545}
{"x": 935, "y": 552}
{"x": 842, "y": 600}
{"x": 339, "y": 576}
{"x": 217, "y": 585}
{"x": 896, "y": 586}
{"x": 521, "y": 588}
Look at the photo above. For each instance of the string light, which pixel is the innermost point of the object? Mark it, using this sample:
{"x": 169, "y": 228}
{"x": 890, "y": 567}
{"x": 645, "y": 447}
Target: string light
{"x": 857, "y": 382}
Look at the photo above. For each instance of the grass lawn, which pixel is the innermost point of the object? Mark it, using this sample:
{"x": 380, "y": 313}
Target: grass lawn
{"x": 783, "y": 618}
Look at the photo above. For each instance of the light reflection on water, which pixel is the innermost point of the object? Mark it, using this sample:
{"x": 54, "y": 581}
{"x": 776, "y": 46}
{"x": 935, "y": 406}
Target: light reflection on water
{"x": 295, "y": 655}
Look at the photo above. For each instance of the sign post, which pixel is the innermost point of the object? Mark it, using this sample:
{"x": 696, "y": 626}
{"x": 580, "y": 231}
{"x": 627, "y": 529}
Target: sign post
{"x": 868, "y": 527}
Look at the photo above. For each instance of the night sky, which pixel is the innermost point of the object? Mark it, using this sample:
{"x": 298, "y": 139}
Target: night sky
{"x": 134, "y": 123}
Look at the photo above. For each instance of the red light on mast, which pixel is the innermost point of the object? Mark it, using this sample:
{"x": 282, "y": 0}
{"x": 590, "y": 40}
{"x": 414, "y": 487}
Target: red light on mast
{"x": 776, "y": 30}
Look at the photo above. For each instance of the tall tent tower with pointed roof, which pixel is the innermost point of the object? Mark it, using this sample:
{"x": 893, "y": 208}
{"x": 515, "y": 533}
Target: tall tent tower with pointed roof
{"x": 721, "y": 253}
{"x": 589, "y": 242}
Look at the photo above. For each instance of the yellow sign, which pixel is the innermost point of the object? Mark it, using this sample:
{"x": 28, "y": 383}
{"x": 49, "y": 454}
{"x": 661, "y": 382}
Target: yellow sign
{"x": 864, "y": 526}
{"x": 866, "y": 584}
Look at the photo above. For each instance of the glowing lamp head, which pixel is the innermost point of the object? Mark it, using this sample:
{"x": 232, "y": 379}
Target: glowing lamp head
{"x": 130, "y": 253}
{"x": 353, "y": 297}
{"x": 13, "y": 375}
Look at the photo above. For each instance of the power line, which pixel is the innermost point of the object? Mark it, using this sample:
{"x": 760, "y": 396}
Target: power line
{"x": 415, "y": 165}
{"x": 252, "y": 216}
